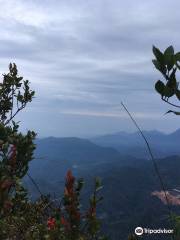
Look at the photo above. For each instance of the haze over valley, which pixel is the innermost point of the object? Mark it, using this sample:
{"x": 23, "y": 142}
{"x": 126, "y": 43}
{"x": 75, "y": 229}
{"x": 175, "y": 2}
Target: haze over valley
{"x": 122, "y": 162}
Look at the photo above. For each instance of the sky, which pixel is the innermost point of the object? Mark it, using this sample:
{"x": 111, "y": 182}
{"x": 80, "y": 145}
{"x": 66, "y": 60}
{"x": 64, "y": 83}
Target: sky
{"x": 83, "y": 58}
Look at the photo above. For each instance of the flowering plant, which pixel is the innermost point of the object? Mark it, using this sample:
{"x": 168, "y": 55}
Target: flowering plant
{"x": 21, "y": 218}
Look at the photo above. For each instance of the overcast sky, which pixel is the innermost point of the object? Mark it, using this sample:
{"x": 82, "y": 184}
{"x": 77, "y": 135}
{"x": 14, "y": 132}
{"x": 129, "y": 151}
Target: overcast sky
{"x": 84, "y": 57}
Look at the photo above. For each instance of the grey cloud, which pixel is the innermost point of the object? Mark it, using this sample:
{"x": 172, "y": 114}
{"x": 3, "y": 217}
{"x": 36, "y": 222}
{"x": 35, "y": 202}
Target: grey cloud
{"x": 88, "y": 55}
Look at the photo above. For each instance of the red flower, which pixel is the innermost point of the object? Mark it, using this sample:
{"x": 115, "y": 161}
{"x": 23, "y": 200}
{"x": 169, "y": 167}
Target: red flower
{"x": 70, "y": 179}
{"x": 65, "y": 223}
{"x": 51, "y": 222}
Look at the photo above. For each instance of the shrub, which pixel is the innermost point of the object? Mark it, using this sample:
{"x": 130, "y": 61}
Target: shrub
{"x": 45, "y": 218}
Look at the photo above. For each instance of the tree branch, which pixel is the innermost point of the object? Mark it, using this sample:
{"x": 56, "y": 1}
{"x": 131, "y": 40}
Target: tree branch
{"x": 172, "y": 104}
{"x": 12, "y": 116}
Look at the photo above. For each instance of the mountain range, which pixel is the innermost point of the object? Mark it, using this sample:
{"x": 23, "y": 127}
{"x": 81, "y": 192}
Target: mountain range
{"x": 162, "y": 144}
{"x": 128, "y": 177}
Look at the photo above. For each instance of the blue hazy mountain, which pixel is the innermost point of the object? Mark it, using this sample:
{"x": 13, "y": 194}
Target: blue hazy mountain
{"x": 56, "y": 155}
{"x": 53, "y": 156}
{"x": 162, "y": 144}
{"x": 128, "y": 181}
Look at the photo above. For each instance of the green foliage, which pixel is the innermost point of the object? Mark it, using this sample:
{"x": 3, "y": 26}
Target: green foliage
{"x": 49, "y": 219}
{"x": 177, "y": 227}
{"x": 16, "y": 149}
{"x": 167, "y": 63}
{"x": 132, "y": 237}
{"x": 160, "y": 87}
{"x": 46, "y": 218}
{"x": 15, "y": 93}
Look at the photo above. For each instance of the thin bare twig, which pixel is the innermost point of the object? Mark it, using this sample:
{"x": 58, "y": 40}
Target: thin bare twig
{"x": 11, "y": 117}
{"x": 53, "y": 200}
{"x": 154, "y": 164}
{"x": 35, "y": 184}
{"x": 152, "y": 158}
{"x": 172, "y": 104}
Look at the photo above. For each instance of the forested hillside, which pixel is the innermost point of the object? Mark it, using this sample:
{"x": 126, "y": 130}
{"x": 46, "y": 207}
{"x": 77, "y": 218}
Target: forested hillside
{"x": 131, "y": 180}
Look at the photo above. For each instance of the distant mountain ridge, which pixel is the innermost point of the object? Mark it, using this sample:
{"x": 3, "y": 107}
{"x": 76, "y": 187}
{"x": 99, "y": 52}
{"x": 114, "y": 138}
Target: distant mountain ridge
{"x": 162, "y": 144}
{"x": 56, "y": 155}
{"x": 128, "y": 181}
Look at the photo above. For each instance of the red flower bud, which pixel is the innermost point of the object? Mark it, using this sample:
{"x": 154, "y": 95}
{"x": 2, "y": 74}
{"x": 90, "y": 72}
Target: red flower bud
{"x": 51, "y": 222}
{"x": 65, "y": 223}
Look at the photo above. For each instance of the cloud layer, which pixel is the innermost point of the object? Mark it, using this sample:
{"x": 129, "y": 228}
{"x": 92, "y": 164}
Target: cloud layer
{"x": 85, "y": 57}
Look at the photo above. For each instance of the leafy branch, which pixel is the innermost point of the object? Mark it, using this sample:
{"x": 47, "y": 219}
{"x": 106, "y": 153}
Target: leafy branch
{"x": 167, "y": 62}
{"x": 13, "y": 89}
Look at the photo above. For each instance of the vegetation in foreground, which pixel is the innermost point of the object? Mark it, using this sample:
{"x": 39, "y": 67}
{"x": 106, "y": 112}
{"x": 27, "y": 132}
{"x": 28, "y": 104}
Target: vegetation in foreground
{"x": 46, "y": 218}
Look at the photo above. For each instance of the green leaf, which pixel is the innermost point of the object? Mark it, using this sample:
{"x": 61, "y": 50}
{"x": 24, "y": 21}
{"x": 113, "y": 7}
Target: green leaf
{"x": 159, "y": 86}
{"x": 168, "y": 92}
{"x": 98, "y": 184}
{"x": 172, "y": 79}
{"x": 169, "y": 57}
{"x": 159, "y": 67}
{"x": 169, "y": 51}
{"x": 159, "y": 55}
{"x": 80, "y": 184}
{"x": 177, "y": 57}
{"x": 178, "y": 94}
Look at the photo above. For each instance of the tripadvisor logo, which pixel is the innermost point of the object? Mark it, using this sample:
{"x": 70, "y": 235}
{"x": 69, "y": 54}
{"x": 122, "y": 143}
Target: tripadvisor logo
{"x": 140, "y": 231}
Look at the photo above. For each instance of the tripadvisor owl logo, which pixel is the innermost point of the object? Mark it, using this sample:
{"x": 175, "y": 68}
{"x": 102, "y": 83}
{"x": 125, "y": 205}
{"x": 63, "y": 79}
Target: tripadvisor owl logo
{"x": 139, "y": 231}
